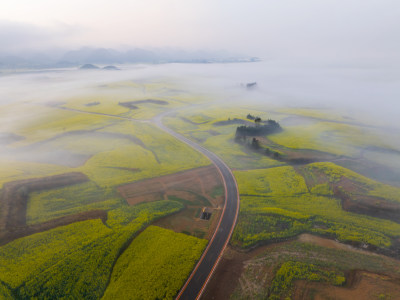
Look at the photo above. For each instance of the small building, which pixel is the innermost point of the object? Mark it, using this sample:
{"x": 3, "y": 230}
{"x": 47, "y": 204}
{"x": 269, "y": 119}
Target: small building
{"x": 251, "y": 85}
{"x": 206, "y": 213}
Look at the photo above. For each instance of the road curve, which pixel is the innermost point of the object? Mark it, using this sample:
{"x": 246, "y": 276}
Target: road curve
{"x": 204, "y": 269}
{"x": 208, "y": 262}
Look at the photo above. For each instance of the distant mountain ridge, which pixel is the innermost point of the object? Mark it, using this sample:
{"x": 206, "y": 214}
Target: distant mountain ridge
{"x": 87, "y": 55}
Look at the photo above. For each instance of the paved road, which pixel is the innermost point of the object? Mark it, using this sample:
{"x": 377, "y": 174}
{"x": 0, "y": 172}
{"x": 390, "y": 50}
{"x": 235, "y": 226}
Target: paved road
{"x": 204, "y": 269}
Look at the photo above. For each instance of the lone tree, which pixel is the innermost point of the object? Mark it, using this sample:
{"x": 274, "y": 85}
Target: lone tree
{"x": 255, "y": 144}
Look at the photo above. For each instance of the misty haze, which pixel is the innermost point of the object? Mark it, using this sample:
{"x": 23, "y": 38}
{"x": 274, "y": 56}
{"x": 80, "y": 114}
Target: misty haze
{"x": 199, "y": 150}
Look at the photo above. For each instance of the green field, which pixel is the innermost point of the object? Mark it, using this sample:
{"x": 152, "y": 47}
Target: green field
{"x": 46, "y": 205}
{"x": 74, "y": 260}
{"x": 293, "y": 270}
{"x": 155, "y": 265}
{"x": 200, "y": 127}
{"x": 12, "y": 170}
{"x": 276, "y": 204}
{"x": 120, "y": 153}
{"x": 106, "y": 99}
{"x": 5, "y": 292}
{"x": 334, "y": 173}
{"x": 99, "y": 145}
{"x": 50, "y": 121}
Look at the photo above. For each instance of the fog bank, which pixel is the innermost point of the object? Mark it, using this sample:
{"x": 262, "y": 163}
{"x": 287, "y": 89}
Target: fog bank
{"x": 351, "y": 90}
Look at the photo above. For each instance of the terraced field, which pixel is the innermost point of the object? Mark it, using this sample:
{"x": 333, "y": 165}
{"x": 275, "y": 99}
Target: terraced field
{"x": 65, "y": 236}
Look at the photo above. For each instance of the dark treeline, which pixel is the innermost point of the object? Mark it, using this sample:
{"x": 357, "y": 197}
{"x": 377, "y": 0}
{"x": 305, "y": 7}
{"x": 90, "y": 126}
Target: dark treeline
{"x": 255, "y": 145}
{"x": 250, "y": 117}
{"x": 260, "y": 128}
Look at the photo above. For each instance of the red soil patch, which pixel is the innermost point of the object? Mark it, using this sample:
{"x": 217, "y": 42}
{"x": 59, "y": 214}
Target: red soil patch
{"x": 195, "y": 187}
{"x": 361, "y": 285}
{"x": 13, "y": 204}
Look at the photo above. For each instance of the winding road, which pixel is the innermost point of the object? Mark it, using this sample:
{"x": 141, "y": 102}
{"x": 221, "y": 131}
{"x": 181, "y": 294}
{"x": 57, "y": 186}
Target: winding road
{"x": 208, "y": 262}
{"x": 201, "y": 274}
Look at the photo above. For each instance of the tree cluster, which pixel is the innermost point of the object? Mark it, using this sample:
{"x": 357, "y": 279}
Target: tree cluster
{"x": 250, "y": 117}
{"x": 268, "y": 127}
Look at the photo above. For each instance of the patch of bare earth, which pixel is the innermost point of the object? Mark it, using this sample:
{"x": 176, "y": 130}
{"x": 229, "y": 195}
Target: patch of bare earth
{"x": 196, "y": 188}
{"x": 13, "y": 204}
{"x": 229, "y": 274}
{"x": 361, "y": 285}
{"x": 226, "y": 276}
{"x": 355, "y": 200}
{"x": 327, "y": 243}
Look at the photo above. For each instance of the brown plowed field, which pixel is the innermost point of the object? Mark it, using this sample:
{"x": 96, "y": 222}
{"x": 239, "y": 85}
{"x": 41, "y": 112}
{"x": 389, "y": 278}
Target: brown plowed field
{"x": 226, "y": 277}
{"x": 187, "y": 185}
{"x": 197, "y": 188}
{"x": 13, "y": 204}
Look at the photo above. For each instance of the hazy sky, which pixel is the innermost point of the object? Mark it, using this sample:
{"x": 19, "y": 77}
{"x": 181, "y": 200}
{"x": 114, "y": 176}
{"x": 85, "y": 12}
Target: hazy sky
{"x": 350, "y": 29}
